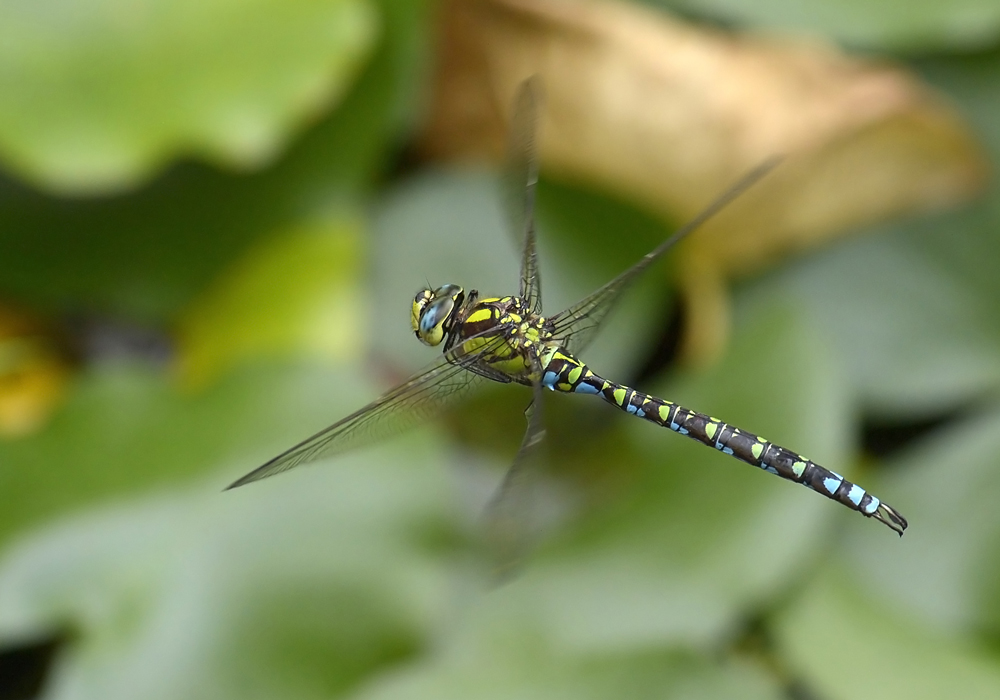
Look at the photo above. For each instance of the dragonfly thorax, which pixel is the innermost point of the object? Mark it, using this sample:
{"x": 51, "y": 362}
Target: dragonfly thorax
{"x": 434, "y": 311}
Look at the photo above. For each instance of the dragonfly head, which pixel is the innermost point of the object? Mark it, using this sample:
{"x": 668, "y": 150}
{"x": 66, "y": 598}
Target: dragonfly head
{"x": 434, "y": 311}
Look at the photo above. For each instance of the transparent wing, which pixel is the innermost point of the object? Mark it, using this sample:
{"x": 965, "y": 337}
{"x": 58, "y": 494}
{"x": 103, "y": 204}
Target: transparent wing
{"x": 519, "y": 180}
{"x": 420, "y": 397}
{"x": 508, "y": 517}
{"x": 575, "y": 327}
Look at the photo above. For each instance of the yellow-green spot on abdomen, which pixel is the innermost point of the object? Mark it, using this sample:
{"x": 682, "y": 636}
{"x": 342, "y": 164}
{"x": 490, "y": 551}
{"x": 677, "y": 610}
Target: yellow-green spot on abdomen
{"x": 799, "y": 468}
{"x": 619, "y": 396}
{"x": 574, "y": 374}
{"x": 757, "y": 449}
{"x": 664, "y": 413}
{"x": 710, "y": 429}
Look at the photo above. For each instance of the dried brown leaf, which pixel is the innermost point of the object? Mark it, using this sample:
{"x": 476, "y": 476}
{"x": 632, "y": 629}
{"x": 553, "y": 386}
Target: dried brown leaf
{"x": 667, "y": 114}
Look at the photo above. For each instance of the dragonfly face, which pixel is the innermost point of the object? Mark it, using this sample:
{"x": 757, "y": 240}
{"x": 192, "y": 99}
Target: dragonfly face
{"x": 434, "y": 311}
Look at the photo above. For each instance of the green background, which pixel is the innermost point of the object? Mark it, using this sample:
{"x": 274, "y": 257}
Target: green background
{"x": 233, "y": 176}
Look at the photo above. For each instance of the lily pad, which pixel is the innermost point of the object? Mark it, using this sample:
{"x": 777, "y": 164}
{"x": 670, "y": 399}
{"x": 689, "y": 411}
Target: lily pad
{"x": 535, "y": 673}
{"x": 146, "y": 254}
{"x": 98, "y": 95}
{"x": 293, "y": 295}
{"x": 128, "y": 430}
{"x": 300, "y": 589}
{"x": 837, "y": 643}
{"x": 946, "y": 573}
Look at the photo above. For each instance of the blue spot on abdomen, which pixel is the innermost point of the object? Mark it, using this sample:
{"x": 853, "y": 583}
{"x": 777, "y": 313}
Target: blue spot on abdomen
{"x": 856, "y": 494}
{"x": 872, "y": 506}
{"x": 831, "y": 484}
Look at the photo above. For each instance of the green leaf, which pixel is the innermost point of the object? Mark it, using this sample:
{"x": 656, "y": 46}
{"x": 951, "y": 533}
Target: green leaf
{"x": 498, "y": 651}
{"x": 911, "y": 335}
{"x": 127, "y": 430}
{"x": 965, "y": 243}
{"x": 97, "y": 95}
{"x": 147, "y": 254}
{"x": 295, "y": 294}
{"x": 897, "y": 25}
{"x": 840, "y": 644}
{"x": 298, "y": 588}
{"x": 946, "y": 570}
{"x": 549, "y": 677}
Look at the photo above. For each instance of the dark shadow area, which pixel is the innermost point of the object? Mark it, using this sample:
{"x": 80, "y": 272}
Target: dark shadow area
{"x": 24, "y": 669}
{"x": 884, "y": 438}
{"x": 92, "y": 338}
{"x": 664, "y": 350}
{"x": 757, "y": 644}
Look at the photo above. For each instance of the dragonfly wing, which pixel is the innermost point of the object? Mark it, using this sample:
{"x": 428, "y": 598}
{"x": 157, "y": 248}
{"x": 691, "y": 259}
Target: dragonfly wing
{"x": 576, "y": 326}
{"x": 520, "y": 178}
{"x": 422, "y": 396}
{"x": 508, "y": 515}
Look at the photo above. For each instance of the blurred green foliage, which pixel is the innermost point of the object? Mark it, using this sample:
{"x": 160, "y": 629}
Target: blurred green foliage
{"x": 97, "y": 93}
{"x": 286, "y": 284}
{"x": 906, "y": 26}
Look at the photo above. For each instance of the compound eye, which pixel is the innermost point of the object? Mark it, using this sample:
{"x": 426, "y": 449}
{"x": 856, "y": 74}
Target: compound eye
{"x": 433, "y": 312}
{"x": 420, "y": 302}
{"x": 432, "y": 321}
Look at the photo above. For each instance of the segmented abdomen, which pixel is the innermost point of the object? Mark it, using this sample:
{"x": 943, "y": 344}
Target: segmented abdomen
{"x": 565, "y": 373}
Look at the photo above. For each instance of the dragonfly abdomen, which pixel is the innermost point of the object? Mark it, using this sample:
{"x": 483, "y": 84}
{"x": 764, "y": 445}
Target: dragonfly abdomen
{"x": 565, "y": 373}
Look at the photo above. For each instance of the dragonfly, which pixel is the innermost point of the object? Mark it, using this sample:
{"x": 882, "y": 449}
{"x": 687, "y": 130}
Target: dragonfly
{"x": 509, "y": 340}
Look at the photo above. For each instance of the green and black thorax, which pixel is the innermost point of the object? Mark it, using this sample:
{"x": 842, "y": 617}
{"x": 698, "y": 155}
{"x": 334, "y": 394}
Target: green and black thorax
{"x": 513, "y": 344}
